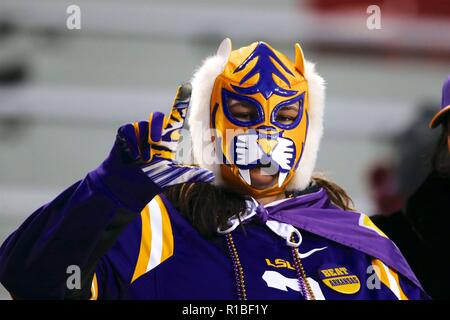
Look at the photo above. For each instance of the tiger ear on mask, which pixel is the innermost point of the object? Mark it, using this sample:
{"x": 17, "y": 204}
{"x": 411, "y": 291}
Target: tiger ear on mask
{"x": 265, "y": 77}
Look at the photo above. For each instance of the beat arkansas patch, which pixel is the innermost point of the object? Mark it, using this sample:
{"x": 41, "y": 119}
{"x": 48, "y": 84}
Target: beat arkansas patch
{"x": 340, "y": 279}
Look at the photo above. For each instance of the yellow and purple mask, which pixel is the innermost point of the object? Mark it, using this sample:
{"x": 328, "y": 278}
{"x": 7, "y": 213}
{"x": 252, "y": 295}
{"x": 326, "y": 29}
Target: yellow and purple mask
{"x": 270, "y": 86}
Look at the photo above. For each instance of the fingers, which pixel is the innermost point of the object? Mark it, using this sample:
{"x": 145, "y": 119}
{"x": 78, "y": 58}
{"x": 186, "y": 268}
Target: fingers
{"x": 138, "y": 136}
{"x": 142, "y": 131}
{"x": 177, "y": 116}
{"x": 156, "y": 141}
{"x": 156, "y": 123}
{"x": 127, "y": 133}
{"x": 159, "y": 135}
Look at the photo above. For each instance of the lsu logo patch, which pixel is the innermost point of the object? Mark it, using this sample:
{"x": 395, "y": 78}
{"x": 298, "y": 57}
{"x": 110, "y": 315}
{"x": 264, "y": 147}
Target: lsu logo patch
{"x": 340, "y": 279}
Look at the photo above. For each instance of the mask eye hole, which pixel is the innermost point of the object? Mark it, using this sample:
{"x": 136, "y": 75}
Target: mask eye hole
{"x": 287, "y": 114}
{"x": 243, "y": 111}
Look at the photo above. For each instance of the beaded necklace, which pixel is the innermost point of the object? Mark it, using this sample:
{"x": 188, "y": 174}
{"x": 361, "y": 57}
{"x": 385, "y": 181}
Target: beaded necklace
{"x": 304, "y": 285}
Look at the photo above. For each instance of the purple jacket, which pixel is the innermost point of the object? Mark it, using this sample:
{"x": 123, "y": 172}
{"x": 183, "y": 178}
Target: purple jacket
{"x": 131, "y": 243}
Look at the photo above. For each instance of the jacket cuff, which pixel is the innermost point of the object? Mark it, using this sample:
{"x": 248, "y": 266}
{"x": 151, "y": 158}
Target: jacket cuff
{"x": 129, "y": 184}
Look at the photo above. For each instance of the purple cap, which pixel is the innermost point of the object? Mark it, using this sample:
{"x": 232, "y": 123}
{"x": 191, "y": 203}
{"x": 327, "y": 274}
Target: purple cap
{"x": 445, "y": 105}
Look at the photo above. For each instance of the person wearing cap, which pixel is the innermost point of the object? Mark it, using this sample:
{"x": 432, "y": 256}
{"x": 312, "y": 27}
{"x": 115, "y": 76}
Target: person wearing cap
{"x": 420, "y": 230}
{"x": 441, "y": 158}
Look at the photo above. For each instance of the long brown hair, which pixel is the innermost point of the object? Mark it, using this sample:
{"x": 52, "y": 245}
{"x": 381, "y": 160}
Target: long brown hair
{"x": 208, "y": 207}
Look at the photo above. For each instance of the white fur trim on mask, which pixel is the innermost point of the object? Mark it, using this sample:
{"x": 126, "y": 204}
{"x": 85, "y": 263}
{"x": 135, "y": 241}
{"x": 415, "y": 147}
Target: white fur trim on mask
{"x": 316, "y": 94}
{"x": 199, "y": 114}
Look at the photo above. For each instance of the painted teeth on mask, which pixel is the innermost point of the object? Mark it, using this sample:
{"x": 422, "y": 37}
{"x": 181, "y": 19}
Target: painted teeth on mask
{"x": 245, "y": 174}
{"x": 281, "y": 177}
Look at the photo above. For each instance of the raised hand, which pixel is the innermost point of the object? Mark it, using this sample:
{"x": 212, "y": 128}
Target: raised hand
{"x": 152, "y": 145}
